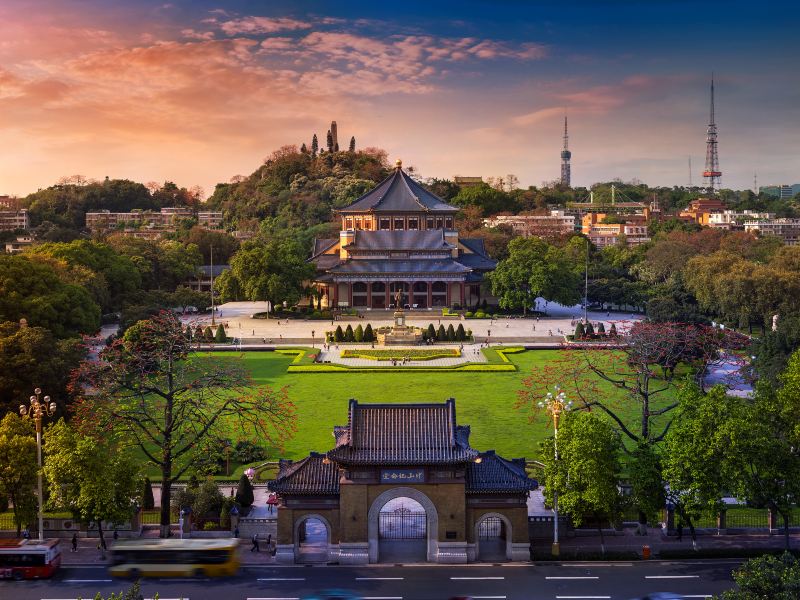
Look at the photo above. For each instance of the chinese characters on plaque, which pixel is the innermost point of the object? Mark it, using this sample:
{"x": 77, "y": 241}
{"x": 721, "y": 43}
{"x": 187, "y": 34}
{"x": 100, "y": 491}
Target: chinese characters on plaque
{"x": 402, "y": 475}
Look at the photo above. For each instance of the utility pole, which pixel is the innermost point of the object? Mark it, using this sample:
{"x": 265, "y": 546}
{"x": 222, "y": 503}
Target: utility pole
{"x": 212, "y": 287}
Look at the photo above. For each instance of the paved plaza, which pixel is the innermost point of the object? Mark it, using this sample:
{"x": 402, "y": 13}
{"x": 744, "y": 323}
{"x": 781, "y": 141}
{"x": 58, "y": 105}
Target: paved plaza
{"x": 560, "y": 321}
{"x": 470, "y": 353}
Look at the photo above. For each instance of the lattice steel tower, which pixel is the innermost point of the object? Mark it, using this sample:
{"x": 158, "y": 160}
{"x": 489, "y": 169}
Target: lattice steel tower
{"x": 565, "y": 156}
{"x": 712, "y": 174}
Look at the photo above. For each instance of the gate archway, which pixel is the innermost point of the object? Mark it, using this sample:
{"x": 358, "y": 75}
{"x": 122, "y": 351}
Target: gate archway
{"x": 409, "y": 525}
{"x": 312, "y": 538}
{"x": 493, "y": 538}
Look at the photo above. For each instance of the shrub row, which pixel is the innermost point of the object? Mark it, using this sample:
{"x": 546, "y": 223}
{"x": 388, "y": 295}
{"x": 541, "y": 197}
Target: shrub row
{"x": 331, "y": 368}
{"x": 401, "y": 353}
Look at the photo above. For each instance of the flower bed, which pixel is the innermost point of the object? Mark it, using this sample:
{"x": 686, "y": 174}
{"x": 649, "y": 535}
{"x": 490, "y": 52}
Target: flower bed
{"x": 401, "y": 353}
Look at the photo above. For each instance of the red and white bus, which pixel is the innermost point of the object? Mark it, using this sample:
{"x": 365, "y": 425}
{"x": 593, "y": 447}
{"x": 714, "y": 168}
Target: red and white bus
{"x": 29, "y": 559}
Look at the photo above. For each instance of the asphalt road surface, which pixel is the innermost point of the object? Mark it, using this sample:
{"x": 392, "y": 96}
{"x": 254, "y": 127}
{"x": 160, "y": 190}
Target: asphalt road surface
{"x": 558, "y": 581}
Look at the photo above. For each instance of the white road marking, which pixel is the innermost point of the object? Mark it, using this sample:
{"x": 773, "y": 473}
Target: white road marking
{"x": 88, "y": 580}
{"x": 496, "y": 597}
{"x": 672, "y": 576}
{"x": 473, "y": 578}
{"x": 581, "y": 577}
{"x": 698, "y": 595}
{"x": 379, "y": 578}
{"x": 185, "y": 579}
{"x": 598, "y": 564}
{"x": 273, "y": 598}
{"x": 281, "y": 579}
{"x": 383, "y": 598}
{"x": 585, "y": 597}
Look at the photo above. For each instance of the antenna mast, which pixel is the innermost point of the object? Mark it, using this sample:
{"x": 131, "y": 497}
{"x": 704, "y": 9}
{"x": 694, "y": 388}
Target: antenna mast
{"x": 712, "y": 174}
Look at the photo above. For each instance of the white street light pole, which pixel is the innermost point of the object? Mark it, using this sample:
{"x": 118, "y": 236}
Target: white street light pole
{"x": 39, "y": 408}
{"x": 555, "y": 405}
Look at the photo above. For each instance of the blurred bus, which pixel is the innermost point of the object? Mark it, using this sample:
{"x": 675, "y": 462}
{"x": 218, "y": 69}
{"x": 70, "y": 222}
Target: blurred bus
{"x": 174, "y": 558}
{"x": 28, "y": 559}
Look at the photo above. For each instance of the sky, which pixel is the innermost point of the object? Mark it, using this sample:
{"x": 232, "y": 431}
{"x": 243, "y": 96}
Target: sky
{"x": 197, "y": 92}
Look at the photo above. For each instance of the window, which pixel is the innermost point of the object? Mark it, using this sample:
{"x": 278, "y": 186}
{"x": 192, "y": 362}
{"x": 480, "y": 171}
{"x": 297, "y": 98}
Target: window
{"x": 358, "y": 223}
{"x": 399, "y": 224}
{"x": 413, "y": 223}
{"x": 439, "y": 223}
{"x": 448, "y": 223}
{"x": 384, "y": 224}
{"x": 348, "y": 223}
{"x": 367, "y": 223}
{"x": 429, "y": 223}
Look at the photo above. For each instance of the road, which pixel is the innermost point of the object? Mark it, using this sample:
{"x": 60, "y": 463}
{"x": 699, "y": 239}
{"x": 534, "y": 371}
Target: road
{"x": 564, "y": 581}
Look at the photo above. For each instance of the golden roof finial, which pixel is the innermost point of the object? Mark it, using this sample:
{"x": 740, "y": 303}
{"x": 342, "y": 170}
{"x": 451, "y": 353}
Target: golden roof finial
{"x": 398, "y": 164}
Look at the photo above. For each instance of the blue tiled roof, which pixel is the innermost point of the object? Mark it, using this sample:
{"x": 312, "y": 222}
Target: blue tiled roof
{"x": 431, "y": 239}
{"x": 496, "y": 475}
{"x": 399, "y": 193}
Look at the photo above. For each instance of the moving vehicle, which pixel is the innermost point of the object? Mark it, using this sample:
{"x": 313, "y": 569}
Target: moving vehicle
{"x": 174, "y": 558}
{"x": 29, "y": 559}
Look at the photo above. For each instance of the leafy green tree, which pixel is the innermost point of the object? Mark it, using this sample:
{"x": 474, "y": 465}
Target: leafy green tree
{"x": 358, "y": 334}
{"x": 773, "y": 349}
{"x": 148, "y": 502}
{"x": 119, "y": 276}
{"x": 533, "y": 269}
{"x": 773, "y": 577}
{"x": 586, "y": 472}
{"x": 697, "y": 461}
{"x": 349, "y": 336}
{"x": 198, "y": 334}
{"x": 184, "y": 297}
{"x": 208, "y": 335}
{"x": 18, "y": 467}
{"x": 490, "y": 200}
{"x": 223, "y": 244}
{"x": 338, "y": 335}
{"x": 32, "y": 357}
{"x": 461, "y": 335}
{"x": 144, "y": 381}
{"x": 441, "y": 334}
{"x": 220, "y": 337}
{"x": 589, "y": 330}
{"x": 369, "y": 335}
{"x": 766, "y": 438}
{"x": 275, "y": 271}
{"x": 33, "y": 290}
{"x": 244, "y": 492}
{"x": 92, "y": 477}
{"x": 647, "y": 484}
{"x": 207, "y": 503}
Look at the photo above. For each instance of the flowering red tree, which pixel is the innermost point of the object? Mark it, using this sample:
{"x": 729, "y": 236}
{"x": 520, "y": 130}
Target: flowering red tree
{"x": 154, "y": 393}
{"x": 633, "y": 375}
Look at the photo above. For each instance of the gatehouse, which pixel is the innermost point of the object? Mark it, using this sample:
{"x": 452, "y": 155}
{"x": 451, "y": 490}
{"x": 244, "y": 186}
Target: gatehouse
{"x": 402, "y": 484}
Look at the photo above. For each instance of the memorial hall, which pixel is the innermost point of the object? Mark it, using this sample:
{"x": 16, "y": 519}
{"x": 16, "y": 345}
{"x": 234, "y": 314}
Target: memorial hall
{"x": 400, "y": 237}
{"x": 402, "y": 484}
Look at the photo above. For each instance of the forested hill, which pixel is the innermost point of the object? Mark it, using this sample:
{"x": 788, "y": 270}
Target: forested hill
{"x": 297, "y": 190}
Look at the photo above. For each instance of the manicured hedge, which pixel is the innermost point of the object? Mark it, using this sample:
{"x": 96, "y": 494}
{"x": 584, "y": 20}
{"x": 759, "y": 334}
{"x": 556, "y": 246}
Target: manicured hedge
{"x": 332, "y": 368}
{"x": 401, "y": 353}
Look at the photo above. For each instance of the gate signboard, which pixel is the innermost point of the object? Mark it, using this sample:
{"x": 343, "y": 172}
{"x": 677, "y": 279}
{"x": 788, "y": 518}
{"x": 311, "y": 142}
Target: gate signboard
{"x": 403, "y": 476}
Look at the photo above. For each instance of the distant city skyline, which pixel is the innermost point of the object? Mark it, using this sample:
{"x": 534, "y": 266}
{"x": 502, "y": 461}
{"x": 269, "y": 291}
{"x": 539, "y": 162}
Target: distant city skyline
{"x": 198, "y": 92}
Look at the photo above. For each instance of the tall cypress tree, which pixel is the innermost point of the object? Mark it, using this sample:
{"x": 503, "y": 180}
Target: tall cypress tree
{"x": 314, "y": 146}
{"x": 353, "y": 144}
{"x": 330, "y": 141}
{"x": 431, "y": 332}
{"x": 304, "y": 149}
{"x": 369, "y": 335}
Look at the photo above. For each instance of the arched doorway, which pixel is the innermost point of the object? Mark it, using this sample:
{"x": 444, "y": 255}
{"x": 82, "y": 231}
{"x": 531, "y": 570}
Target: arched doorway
{"x": 493, "y": 538}
{"x": 439, "y": 294}
{"x": 312, "y": 538}
{"x": 402, "y": 531}
{"x": 403, "y": 526}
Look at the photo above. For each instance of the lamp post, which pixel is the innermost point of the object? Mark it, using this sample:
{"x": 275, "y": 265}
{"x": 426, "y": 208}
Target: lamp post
{"x": 38, "y": 409}
{"x": 555, "y": 405}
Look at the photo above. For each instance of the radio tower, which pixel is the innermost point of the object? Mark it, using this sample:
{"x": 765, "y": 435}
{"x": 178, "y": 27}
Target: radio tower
{"x": 565, "y": 156}
{"x": 712, "y": 173}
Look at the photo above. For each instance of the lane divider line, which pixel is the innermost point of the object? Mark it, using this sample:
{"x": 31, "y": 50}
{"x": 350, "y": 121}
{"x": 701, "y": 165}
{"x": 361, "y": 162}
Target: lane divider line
{"x": 87, "y": 580}
{"x": 672, "y": 576}
{"x": 380, "y": 578}
{"x": 281, "y": 579}
{"x": 474, "y": 578}
{"x": 576, "y": 577}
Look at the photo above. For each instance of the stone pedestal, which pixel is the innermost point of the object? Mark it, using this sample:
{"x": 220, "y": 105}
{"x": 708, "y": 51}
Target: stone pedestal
{"x": 521, "y": 551}
{"x": 452, "y": 553}
{"x": 400, "y": 334}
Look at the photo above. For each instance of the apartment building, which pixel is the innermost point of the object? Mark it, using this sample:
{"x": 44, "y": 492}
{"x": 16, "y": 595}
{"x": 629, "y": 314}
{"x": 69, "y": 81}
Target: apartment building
{"x": 552, "y": 225}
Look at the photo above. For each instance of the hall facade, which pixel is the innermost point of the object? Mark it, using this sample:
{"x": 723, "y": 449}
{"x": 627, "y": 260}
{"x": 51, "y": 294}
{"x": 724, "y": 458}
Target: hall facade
{"x": 402, "y": 484}
{"x": 400, "y": 237}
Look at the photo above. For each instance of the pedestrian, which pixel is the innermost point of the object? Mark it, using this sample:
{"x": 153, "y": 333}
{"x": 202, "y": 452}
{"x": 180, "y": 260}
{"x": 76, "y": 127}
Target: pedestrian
{"x": 680, "y": 531}
{"x": 255, "y": 547}
{"x": 26, "y": 534}
{"x": 254, "y": 332}
{"x": 74, "y": 542}
{"x": 236, "y": 532}
{"x": 269, "y": 542}
{"x": 116, "y": 535}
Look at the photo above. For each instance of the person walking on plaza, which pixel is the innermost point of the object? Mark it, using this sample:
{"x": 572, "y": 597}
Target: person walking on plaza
{"x": 74, "y": 542}
{"x": 255, "y": 547}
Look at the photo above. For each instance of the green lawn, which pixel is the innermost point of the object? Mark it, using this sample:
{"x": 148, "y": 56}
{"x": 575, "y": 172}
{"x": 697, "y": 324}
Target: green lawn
{"x": 485, "y": 401}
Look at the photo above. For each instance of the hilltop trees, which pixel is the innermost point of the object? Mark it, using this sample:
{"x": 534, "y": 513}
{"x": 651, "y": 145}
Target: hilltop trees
{"x": 153, "y": 392}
